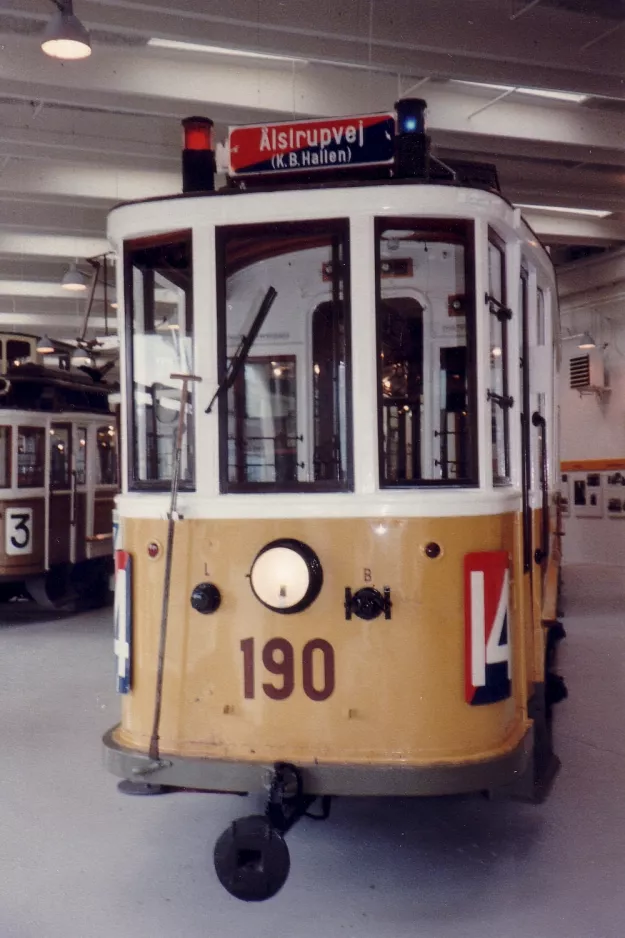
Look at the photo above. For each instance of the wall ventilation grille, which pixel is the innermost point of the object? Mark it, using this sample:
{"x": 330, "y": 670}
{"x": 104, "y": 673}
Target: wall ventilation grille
{"x": 580, "y": 371}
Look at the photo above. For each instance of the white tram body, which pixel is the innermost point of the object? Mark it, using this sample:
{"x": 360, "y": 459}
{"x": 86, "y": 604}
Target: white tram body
{"x": 365, "y": 549}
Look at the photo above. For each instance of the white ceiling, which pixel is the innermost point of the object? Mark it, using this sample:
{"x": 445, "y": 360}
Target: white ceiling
{"x": 76, "y": 137}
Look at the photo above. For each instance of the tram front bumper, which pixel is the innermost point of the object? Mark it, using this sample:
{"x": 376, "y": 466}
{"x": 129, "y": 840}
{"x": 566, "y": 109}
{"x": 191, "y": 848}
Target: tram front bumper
{"x": 236, "y": 777}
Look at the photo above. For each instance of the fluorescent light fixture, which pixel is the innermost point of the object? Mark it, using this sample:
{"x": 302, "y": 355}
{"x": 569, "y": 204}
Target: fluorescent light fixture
{"x": 572, "y": 96}
{"x": 65, "y": 37}
{"x": 590, "y": 212}
{"x": 220, "y": 50}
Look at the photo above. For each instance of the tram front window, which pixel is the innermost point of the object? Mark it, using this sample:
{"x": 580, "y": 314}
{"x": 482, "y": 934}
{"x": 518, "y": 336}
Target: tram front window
{"x": 159, "y": 307}
{"x": 283, "y": 423}
{"x": 426, "y": 339}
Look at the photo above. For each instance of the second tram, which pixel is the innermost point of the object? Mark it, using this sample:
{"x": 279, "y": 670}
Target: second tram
{"x": 58, "y": 480}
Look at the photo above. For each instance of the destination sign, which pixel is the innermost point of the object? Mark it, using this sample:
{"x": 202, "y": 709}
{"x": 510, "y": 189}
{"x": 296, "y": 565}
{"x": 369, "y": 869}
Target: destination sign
{"x": 329, "y": 143}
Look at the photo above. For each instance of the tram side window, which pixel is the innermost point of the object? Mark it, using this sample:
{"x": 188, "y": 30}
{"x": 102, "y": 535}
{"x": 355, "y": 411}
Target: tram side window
{"x": 5, "y": 457}
{"x": 498, "y": 357}
{"x": 60, "y": 457}
{"x": 540, "y": 317}
{"x": 31, "y": 459}
{"x": 426, "y": 351}
{"x": 106, "y": 463}
{"x": 159, "y": 303}
{"x": 17, "y": 351}
{"x": 284, "y": 422}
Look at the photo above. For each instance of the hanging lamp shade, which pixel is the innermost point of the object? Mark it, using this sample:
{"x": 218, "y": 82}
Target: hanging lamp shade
{"x": 587, "y": 341}
{"x": 82, "y": 357}
{"x": 74, "y": 280}
{"x": 65, "y": 37}
{"x": 45, "y": 345}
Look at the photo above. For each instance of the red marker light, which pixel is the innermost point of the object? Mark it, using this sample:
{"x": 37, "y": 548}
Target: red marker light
{"x": 153, "y": 550}
{"x": 197, "y": 133}
{"x": 198, "y": 159}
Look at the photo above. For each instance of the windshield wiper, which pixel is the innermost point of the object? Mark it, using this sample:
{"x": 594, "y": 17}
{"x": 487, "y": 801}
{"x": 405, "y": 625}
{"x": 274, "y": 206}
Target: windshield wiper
{"x": 240, "y": 356}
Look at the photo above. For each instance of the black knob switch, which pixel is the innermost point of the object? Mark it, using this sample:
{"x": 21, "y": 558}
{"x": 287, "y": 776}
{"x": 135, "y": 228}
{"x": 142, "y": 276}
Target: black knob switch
{"x": 368, "y": 603}
{"x": 206, "y": 598}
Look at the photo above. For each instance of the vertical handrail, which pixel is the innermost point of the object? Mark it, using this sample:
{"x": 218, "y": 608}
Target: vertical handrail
{"x": 542, "y": 553}
{"x": 169, "y": 553}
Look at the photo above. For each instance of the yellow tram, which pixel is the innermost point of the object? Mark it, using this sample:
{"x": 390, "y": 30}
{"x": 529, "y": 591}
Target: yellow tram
{"x": 58, "y": 479}
{"x": 342, "y": 580}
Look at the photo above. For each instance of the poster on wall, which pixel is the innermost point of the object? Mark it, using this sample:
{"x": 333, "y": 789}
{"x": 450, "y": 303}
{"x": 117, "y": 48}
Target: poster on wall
{"x": 615, "y": 494}
{"x": 587, "y": 494}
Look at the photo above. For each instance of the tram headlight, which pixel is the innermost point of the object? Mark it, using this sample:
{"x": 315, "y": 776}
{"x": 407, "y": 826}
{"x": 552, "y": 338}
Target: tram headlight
{"x": 286, "y": 576}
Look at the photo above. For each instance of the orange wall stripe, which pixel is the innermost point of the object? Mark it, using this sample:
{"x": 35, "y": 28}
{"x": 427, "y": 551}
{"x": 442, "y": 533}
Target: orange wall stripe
{"x": 592, "y": 465}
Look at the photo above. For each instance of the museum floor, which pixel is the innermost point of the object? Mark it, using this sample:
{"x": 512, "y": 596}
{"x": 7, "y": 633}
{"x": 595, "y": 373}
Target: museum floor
{"x": 80, "y": 860}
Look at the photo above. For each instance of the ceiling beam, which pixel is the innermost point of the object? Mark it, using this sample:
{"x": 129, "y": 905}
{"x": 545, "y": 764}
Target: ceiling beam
{"x": 562, "y": 229}
{"x": 111, "y": 183}
{"x": 52, "y": 245}
{"x": 592, "y": 273}
{"x": 51, "y": 322}
{"x": 33, "y": 143}
{"x": 173, "y": 86}
{"x": 436, "y": 37}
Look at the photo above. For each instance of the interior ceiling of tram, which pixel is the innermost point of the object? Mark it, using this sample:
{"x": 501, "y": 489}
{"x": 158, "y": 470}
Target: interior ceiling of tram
{"x": 77, "y": 137}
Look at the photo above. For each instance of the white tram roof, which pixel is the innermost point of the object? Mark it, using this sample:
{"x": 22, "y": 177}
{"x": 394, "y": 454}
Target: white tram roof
{"x": 355, "y": 200}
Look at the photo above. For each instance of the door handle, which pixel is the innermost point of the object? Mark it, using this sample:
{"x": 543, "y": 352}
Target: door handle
{"x": 542, "y": 553}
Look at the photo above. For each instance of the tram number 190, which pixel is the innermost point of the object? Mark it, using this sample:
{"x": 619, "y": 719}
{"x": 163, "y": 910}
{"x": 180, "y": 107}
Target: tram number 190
{"x": 278, "y": 657}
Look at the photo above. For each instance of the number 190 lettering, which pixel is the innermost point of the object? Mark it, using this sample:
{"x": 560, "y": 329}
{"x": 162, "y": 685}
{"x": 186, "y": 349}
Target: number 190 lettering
{"x": 278, "y": 658}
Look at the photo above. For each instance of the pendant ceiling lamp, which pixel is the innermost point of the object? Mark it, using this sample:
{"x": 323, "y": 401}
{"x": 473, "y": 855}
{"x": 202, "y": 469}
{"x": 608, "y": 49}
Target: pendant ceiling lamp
{"x": 74, "y": 280}
{"x": 65, "y": 37}
{"x": 45, "y": 345}
{"x": 586, "y": 341}
{"x": 82, "y": 357}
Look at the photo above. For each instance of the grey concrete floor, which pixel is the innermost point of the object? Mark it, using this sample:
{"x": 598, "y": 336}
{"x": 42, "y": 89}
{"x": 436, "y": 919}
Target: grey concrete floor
{"x": 80, "y": 860}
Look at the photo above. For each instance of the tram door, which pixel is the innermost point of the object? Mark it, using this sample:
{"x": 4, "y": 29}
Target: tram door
{"x": 79, "y": 494}
{"x": 60, "y": 513}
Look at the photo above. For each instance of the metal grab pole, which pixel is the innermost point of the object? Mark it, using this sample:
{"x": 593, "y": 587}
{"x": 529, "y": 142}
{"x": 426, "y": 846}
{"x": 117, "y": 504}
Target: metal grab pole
{"x": 169, "y": 552}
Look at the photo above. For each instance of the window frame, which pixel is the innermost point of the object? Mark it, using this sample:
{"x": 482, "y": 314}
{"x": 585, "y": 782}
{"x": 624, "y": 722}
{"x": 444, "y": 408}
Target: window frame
{"x": 8, "y": 468}
{"x": 130, "y": 246}
{"x": 541, "y": 317}
{"x": 81, "y": 454}
{"x": 460, "y": 231}
{"x": 526, "y": 437}
{"x": 500, "y": 245}
{"x": 68, "y": 476}
{"x": 43, "y": 437}
{"x": 301, "y": 228}
{"x": 97, "y": 470}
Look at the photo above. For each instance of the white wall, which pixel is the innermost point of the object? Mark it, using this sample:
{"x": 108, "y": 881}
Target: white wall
{"x": 592, "y": 297}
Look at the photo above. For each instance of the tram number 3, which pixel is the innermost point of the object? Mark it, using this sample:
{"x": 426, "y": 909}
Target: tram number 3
{"x": 278, "y": 657}
{"x": 18, "y": 532}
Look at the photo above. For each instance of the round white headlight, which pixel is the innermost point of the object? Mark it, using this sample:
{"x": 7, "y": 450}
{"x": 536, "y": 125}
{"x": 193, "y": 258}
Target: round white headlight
{"x": 286, "y": 576}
